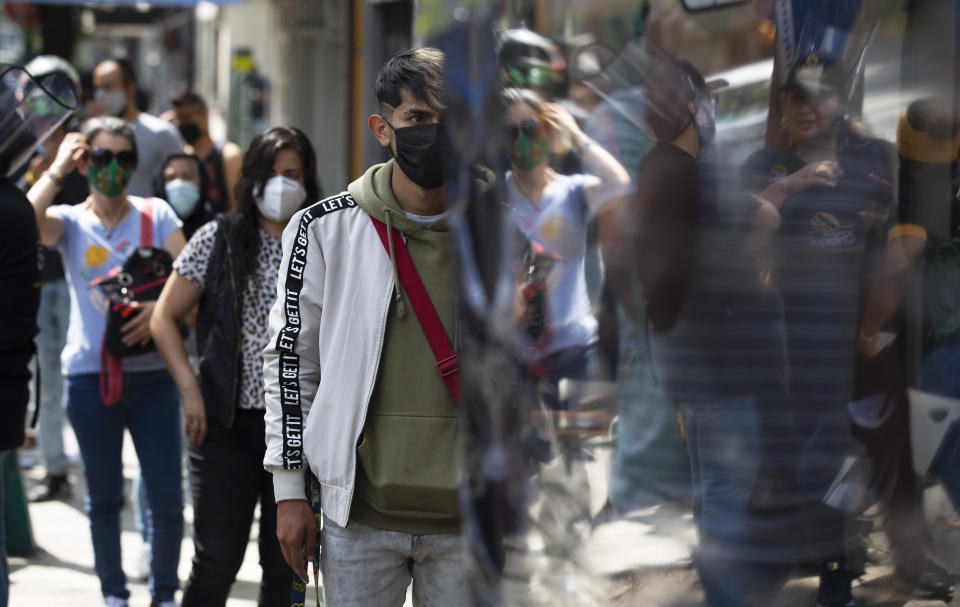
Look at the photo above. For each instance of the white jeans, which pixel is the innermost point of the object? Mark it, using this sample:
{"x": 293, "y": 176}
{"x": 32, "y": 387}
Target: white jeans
{"x": 370, "y": 567}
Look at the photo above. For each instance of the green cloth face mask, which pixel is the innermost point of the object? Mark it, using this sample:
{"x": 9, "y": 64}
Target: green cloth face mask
{"x": 527, "y": 152}
{"x": 108, "y": 179}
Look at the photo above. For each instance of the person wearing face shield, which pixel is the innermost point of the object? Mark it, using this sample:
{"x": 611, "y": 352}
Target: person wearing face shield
{"x": 115, "y": 94}
{"x": 30, "y": 110}
{"x": 182, "y": 182}
{"x": 221, "y": 160}
{"x": 354, "y": 390}
{"x": 830, "y": 193}
{"x": 228, "y": 269}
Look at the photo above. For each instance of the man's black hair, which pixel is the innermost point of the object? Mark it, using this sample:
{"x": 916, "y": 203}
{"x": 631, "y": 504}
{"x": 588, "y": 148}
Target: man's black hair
{"x": 418, "y": 70}
{"x": 187, "y": 97}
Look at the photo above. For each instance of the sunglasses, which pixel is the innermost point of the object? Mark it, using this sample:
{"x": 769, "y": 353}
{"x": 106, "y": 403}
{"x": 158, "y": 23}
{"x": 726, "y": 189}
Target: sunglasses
{"x": 103, "y": 157}
{"x": 528, "y": 127}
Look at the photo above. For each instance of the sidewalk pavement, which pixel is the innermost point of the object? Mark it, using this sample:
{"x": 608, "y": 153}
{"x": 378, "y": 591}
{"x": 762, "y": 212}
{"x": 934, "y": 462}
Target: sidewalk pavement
{"x": 645, "y": 558}
{"x": 61, "y": 573}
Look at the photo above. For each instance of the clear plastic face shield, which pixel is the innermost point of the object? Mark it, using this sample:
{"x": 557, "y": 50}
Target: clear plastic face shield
{"x": 677, "y": 360}
{"x": 31, "y": 110}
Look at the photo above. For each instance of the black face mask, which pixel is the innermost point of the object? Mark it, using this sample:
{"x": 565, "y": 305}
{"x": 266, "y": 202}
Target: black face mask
{"x": 190, "y": 132}
{"x": 423, "y": 152}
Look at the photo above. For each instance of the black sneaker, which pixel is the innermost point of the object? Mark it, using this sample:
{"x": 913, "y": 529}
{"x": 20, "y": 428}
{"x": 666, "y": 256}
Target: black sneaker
{"x": 925, "y": 580}
{"x": 53, "y": 488}
{"x": 835, "y": 582}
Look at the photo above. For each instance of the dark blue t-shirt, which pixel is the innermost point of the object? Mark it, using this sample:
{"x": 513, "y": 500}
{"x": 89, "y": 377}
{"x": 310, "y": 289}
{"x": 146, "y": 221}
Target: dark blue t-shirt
{"x": 830, "y": 242}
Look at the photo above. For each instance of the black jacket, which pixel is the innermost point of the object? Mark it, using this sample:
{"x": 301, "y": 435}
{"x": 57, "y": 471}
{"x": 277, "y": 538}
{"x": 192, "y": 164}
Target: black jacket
{"x": 20, "y": 286}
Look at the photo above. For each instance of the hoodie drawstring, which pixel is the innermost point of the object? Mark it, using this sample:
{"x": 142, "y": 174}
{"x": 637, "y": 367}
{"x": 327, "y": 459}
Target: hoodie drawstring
{"x": 397, "y": 294}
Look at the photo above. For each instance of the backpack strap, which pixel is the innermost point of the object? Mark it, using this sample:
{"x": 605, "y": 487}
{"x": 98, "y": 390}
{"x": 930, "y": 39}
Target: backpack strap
{"x": 146, "y": 224}
{"x": 448, "y": 364}
{"x": 111, "y": 375}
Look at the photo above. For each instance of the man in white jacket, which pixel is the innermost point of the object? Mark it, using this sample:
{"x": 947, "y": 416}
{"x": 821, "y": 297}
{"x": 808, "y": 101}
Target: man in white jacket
{"x": 352, "y": 387}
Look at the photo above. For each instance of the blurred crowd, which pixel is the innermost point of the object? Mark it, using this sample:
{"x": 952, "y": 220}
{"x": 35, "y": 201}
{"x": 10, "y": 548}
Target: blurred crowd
{"x": 752, "y": 340}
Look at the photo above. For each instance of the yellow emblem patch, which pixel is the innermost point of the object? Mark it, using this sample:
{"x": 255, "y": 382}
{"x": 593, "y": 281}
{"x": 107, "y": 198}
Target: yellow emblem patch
{"x": 96, "y": 255}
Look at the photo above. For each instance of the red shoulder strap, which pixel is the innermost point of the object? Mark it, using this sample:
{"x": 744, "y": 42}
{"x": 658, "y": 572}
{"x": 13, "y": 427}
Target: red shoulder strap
{"x": 448, "y": 364}
{"x": 146, "y": 224}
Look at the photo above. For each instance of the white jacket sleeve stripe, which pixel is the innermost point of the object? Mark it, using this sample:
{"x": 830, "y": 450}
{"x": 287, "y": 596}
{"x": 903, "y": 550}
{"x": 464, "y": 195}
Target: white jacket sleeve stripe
{"x": 286, "y": 346}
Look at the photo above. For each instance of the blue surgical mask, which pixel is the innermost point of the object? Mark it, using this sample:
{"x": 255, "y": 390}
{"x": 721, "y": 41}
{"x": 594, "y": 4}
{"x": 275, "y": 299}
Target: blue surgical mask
{"x": 183, "y": 196}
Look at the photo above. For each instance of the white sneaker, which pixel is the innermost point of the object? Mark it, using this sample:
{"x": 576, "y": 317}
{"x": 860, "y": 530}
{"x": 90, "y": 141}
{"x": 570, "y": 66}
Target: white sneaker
{"x": 143, "y": 563}
{"x": 115, "y": 601}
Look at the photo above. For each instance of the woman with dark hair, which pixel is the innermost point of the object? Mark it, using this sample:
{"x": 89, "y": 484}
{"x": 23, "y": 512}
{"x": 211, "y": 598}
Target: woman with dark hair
{"x": 229, "y": 268}
{"x": 183, "y": 182}
{"x": 94, "y": 237}
{"x": 831, "y": 193}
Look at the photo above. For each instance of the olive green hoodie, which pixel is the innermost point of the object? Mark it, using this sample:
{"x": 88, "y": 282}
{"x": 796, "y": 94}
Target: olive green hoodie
{"x": 410, "y": 453}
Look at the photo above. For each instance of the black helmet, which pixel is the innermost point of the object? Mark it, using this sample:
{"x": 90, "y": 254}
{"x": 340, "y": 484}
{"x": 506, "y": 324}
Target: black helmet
{"x": 529, "y": 60}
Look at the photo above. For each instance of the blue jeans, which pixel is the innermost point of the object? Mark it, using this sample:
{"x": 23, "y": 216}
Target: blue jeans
{"x": 723, "y": 439}
{"x": 150, "y": 410}
{"x": 52, "y": 318}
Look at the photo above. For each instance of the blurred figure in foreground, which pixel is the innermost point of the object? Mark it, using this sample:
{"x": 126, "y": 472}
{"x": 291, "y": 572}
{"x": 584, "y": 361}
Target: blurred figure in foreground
{"x": 714, "y": 334}
{"x": 54, "y": 311}
{"x": 831, "y": 198}
{"x": 30, "y": 110}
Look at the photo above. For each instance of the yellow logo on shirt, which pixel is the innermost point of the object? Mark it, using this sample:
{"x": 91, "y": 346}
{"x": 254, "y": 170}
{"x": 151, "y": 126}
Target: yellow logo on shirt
{"x": 828, "y": 234}
{"x": 96, "y": 255}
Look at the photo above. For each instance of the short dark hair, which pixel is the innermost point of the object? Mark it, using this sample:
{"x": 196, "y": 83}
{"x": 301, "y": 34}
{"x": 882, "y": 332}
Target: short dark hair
{"x": 187, "y": 97}
{"x": 418, "y": 70}
{"x": 110, "y": 125}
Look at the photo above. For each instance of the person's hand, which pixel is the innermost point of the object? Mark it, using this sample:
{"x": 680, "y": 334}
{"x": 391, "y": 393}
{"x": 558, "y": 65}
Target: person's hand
{"x": 194, "y": 417}
{"x": 71, "y": 150}
{"x": 823, "y": 173}
{"x": 562, "y": 128}
{"x": 297, "y": 534}
{"x": 137, "y": 329}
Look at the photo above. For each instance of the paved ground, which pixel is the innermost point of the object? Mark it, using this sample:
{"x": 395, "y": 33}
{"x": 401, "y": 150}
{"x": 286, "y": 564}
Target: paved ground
{"x": 61, "y": 573}
{"x": 646, "y": 559}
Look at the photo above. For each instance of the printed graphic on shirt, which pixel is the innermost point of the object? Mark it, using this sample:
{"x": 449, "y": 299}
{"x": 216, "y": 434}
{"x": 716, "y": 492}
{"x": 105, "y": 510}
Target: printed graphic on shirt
{"x": 829, "y": 235}
{"x": 287, "y": 338}
{"x": 96, "y": 255}
{"x": 777, "y": 172}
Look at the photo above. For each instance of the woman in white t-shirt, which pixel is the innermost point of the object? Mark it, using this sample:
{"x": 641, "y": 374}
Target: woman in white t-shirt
{"x": 553, "y": 211}
{"x": 93, "y": 238}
